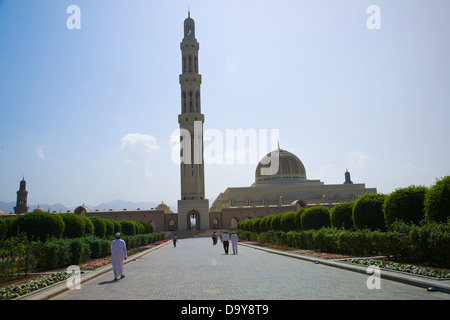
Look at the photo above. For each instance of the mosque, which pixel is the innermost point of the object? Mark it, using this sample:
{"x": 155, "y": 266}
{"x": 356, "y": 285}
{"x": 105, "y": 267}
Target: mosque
{"x": 285, "y": 189}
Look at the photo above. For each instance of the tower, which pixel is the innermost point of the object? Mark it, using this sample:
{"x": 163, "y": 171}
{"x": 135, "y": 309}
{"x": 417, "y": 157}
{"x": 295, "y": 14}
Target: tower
{"x": 347, "y": 178}
{"x": 192, "y": 202}
{"x": 22, "y": 194}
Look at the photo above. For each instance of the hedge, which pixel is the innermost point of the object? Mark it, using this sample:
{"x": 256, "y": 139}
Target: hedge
{"x": 74, "y": 225}
{"x": 341, "y": 215}
{"x": 437, "y": 201}
{"x": 405, "y": 204}
{"x": 368, "y": 212}
{"x": 58, "y": 253}
{"x": 429, "y": 242}
{"x": 39, "y": 225}
{"x": 315, "y": 218}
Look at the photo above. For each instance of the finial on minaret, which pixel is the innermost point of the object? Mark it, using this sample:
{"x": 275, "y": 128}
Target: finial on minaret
{"x": 278, "y": 142}
{"x": 189, "y": 12}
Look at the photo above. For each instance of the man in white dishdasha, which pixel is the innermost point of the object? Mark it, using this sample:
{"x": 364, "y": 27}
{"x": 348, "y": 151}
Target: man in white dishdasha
{"x": 118, "y": 255}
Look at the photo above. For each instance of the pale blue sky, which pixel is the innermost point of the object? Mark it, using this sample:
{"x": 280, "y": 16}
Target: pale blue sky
{"x": 342, "y": 96}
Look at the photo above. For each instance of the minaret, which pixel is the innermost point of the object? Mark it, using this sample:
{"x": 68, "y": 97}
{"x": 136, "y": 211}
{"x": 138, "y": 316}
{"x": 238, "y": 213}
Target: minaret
{"x": 347, "y": 178}
{"x": 22, "y": 194}
{"x": 191, "y": 121}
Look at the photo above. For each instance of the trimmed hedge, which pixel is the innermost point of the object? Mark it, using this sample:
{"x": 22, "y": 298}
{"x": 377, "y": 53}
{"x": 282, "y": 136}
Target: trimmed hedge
{"x": 74, "y": 225}
{"x": 315, "y": 218}
{"x": 405, "y": 204}
{"x": 428, "y": 243}
{"x": 437, "y": 201}
{"x": 341, "y": 215}
{"x": 368, "y": 212}
{"x": 39, "y": 225}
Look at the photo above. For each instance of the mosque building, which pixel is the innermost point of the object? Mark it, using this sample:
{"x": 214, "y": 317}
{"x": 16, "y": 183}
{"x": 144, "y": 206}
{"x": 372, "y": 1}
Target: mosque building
{"x": 281, "y": 184}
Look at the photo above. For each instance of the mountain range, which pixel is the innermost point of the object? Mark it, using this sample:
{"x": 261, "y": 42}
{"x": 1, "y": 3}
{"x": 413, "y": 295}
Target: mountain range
{"x": 114, "y": 205}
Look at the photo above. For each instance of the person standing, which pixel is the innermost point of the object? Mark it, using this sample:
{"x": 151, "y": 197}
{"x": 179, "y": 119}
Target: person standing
{"x": 214, "y": 238}
{"x": 225, "y": 241}
{"x": 118, "y": 255}
{"x": 175, "y": 240}
{"x": 234, "y": 242}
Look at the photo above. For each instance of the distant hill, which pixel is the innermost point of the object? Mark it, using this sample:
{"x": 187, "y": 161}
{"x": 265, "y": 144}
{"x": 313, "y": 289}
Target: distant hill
{"x": 114, "y": 205}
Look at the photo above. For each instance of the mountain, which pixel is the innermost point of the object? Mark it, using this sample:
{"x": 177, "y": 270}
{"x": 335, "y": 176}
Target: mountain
{"x": 114, "y": 205}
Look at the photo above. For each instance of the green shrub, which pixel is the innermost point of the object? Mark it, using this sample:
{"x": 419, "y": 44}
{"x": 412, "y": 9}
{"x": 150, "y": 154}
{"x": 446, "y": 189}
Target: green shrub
{"x": 109, "y": 228}
{"x": 341, "y": 215}
{"x": 368, "y": 212}
{"x": 128, "y": 227}
{"x": 275, "y": 223}
{"x": 9, "y": 227}
{"x": 88, "y": 227}
{"x": 315, "y": 218}
{"x": 74, "y": 225}
{"x": 99, "y": 226}
{"x": 95, "y": 246}
{"x": 54, "y": 253}
{"x": 3, "y": 228}
{"x": 405, "y": 204}
{"x": 288, "y": 221}
{"x": 39, "y": 225}
{"x": 437, "y": 201}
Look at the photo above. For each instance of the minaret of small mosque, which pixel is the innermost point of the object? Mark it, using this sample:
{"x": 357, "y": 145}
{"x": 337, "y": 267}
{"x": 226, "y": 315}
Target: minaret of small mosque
{"x": 347, "y": 178}
{"x": 22, "y": 195}
{"x": 191, "y": 121}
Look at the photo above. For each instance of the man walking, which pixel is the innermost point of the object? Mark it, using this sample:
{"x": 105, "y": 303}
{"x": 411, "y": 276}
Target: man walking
{"x": 118, "y": 255}
{"x": 225, "y": 241}
{"x": 234, "y": 242}
{"x": 175, "y": 240}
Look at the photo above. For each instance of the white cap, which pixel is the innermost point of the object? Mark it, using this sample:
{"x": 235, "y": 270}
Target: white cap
{"x": 117, "y": 234}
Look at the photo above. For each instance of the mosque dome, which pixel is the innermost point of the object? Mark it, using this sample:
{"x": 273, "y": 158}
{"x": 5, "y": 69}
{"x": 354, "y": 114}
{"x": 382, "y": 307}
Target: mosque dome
{"x": 280, "y": 166}
{"x": 38, "y": 209}
{"x": 164, "y": 207}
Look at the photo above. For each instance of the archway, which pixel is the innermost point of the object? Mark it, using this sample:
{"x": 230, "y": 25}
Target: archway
{"x": 193, "y": 220}
{"x": 234, "y": 223}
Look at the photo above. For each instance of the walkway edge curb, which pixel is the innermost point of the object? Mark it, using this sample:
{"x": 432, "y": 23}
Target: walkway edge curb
{"x": 442, "y": 285}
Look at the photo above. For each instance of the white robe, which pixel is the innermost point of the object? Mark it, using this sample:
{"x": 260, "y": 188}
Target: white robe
{"x": 118, "y": 254}
{"x": 234, "y": 242}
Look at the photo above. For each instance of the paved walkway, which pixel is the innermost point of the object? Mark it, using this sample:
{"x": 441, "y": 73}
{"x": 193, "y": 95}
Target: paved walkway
{"x": 197, "y": 270}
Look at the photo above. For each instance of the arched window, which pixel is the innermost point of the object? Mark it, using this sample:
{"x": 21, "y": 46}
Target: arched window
{"x": 196, "y": 64}
{"x": 197, "y": 101}
{"x": 184, "y": 64}
{"x": 184, "y": 101}
{"x": 190, "y": 102}
{"x": 190, "y": 63}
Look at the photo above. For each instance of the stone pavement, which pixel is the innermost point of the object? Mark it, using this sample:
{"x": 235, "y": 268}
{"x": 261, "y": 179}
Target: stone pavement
{"x": 197, "y": 270}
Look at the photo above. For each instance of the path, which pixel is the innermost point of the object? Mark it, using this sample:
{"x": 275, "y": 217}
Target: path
{"x": 197, "y": 270}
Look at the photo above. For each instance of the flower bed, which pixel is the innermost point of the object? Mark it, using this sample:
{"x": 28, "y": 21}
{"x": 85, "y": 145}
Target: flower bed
{"x": 16, "y": 291}
{"x": 417, "y": 270}
{"x": 323, "y": 255}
